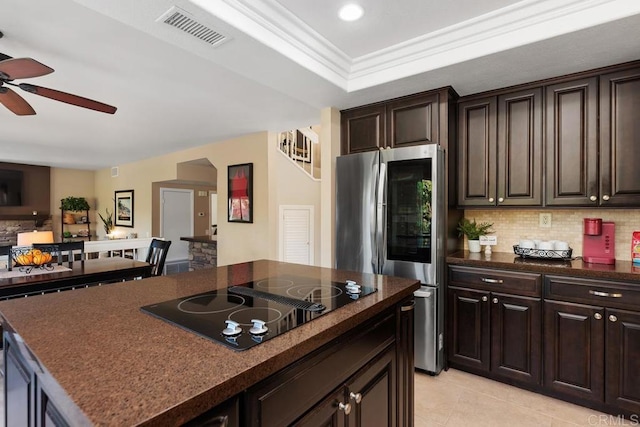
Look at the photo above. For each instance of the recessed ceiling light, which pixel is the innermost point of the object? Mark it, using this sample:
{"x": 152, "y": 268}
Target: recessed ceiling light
{"x": 350, "y": 12}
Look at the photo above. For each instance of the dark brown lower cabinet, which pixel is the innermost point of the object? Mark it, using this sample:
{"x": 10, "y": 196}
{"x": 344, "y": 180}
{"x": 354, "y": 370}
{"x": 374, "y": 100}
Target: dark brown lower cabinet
{"x": 516, "y": 338}
{"x": 362, "y": 379}
{"x": 574, "y": 350}
{"x": 18, "y": 383}
{"x": 29, "y": 402}
{"x": 366, "y": 400}
{"x": 496, "y": 334}
{"x": 468, "y": 328}
{"x": 623, "y": 360}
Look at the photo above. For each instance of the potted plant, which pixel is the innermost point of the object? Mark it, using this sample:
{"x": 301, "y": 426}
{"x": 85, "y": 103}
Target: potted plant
{"x": 72, "y": 204}
{"x": 107, "y": 222}
{"x": 473, "y": 231}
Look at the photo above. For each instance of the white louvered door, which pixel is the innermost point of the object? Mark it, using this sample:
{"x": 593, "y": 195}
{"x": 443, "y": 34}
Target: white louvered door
{"x": 296, "y": 234}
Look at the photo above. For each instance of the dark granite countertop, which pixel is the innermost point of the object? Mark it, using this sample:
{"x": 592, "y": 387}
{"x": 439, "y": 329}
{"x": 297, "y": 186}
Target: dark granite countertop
{"x": 124, "y": 367}
{"x": 622, "y": 270}
{"x": 200, "y": 239}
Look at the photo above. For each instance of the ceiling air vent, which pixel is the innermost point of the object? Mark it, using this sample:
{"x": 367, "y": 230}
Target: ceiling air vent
{"x": 182, "y": 20}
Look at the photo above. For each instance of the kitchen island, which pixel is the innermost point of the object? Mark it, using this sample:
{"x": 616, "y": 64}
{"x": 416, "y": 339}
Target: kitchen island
{"x": 92, "y": 357}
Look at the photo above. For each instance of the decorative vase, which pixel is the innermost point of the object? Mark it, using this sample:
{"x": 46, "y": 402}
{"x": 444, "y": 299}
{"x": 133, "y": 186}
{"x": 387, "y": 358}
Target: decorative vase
{"x": 474, "y": 245}
{"x": 69, "y": 218}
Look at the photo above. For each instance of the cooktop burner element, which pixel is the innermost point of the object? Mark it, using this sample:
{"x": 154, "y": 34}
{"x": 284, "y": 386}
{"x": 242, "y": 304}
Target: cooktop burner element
{"x": 246, "y": 315}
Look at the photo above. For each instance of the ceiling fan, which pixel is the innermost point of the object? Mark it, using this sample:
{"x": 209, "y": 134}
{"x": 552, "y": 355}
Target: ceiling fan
{"x": 23, "y": 68}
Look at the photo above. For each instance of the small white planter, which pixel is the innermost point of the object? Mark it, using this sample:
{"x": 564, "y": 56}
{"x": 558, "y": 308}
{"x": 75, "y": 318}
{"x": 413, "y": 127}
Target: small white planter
{"x": 474, "y": 245}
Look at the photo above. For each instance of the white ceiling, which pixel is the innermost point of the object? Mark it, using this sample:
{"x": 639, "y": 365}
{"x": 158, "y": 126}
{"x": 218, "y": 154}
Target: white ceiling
{"x": 283, "y": 61}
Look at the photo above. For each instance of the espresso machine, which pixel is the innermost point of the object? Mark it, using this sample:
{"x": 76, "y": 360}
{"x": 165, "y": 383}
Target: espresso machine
{"x": 599, "y": 242}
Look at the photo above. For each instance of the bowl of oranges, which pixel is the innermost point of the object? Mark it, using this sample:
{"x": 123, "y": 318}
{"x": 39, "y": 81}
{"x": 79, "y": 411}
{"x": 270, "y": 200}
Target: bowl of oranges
{"x": 32, "y": 257}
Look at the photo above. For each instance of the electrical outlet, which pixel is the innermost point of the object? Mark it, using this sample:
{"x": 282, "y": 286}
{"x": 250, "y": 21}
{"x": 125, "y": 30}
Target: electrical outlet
{"x": 545, "y": 220}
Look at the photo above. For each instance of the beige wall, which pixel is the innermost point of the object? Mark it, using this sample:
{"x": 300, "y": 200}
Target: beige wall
{"x": 330, "y": 141}
{"x": 237, "y": 242}
{"x": 291, "y": 186}
{"x": 566, "y": 224}
{"x": 201, "y": 204}
{"x": 77, "y": 183}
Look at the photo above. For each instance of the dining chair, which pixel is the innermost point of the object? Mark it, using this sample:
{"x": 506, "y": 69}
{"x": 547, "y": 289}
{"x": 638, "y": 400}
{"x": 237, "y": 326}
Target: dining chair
{"x": 6, "y": 250}
{"x": 157, "y": 255}
{"x": 62, "y": 249}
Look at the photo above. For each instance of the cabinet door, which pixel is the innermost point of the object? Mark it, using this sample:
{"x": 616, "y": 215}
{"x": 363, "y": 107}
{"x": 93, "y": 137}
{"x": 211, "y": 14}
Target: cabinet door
{"x": 619, "y": 135}
{"x": 18, "y": 383}
{"x": 572, "y": 143}
{"x": 574, "y": 350}
{"x": 520, "y": 148}
{"x": 372, "y": 393}
{"x": 516, "y": 341}
{"x": 327, "y": 413}
{"x": 405, "y": 362}
{"x": 623, "y": 360}
{"x": 413, "y": 121}
{"x": 49, "y": 415}
{"x": 477, "y": 125}
{"x": 363, "y": 129}
{"x": 468, "y": 328}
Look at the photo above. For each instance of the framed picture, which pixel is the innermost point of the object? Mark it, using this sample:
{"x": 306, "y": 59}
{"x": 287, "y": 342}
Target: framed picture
{"x": 240, "y": 192}
{"x": 124, "y": 208}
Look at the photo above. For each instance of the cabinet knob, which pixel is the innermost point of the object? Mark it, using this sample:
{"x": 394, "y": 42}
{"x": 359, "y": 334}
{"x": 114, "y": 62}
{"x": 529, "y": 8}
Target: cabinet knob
{"x": 495, "y": 300}
{"x": 598, "y": 316}
{"x": 485, "y": 298}
{"x": 491, "y": 199}
{"x": 346, "y": 407}
{"x": 605, "y": 197}
{"x": 593, "y": 198}
{"x": 500, "y": 199}
{"x": 355, "y": 396}
{"x": 613, "y": 318}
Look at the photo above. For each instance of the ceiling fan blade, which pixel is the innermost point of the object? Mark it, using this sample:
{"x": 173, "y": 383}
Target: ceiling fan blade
{"x": 15, "y": 102}
{"x": 23, "y": 68}
{"x": 68, "y": 98}
{"x": 3, "y": 56}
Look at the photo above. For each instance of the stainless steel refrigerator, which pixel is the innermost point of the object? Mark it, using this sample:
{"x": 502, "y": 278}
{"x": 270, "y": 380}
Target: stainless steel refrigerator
{"x": 390, "y": 220}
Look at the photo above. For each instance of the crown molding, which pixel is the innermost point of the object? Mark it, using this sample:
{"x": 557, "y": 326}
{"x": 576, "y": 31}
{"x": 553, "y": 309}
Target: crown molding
{"x": 522, "y": 23}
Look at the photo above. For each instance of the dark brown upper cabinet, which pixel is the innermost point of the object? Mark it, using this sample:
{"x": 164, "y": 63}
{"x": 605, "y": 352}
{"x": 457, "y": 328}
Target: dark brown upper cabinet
{"x": 582, "y": 169}
{"x": 477, "y": 155}
{"x": 363, "y": 129}
{"x": 413, "y": 121}
{"x": 417, "y": 119}
{"x": 500, "y": 150}
{"x": 620, "y": 138}
{"x": 572, "y": 143}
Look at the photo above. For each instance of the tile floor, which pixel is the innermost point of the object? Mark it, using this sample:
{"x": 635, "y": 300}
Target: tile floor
{"x": 455, "y": 399}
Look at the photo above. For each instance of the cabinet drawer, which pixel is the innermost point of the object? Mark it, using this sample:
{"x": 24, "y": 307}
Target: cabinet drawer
{"x": 527, "y": 284}
{"x": 597, "y": 292}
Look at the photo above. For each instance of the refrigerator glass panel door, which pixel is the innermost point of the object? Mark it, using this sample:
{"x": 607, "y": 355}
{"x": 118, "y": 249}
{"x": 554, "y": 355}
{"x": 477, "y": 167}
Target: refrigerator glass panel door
{"x": 409, "y": 208}
{"x": 356, "y": 211}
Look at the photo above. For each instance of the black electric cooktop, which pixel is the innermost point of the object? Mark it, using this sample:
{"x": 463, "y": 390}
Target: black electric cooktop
{"x": 246, "y": 315}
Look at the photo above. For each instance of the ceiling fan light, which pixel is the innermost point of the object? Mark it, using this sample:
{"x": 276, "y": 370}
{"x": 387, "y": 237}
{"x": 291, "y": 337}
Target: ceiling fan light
{"x": 351, "y": 12}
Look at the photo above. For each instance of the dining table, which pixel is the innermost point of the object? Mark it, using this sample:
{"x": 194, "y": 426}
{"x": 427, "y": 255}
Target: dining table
{"x": 23, "y": 281}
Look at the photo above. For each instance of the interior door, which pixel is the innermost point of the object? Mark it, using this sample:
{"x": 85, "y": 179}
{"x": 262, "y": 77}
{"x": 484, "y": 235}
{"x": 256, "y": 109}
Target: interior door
{"x": 176, "y": 221}
{"x": 296, "y": 234}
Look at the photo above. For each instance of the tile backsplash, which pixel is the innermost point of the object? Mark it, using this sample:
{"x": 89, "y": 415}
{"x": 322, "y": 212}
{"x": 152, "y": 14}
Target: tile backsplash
{"x": 510, "y": 226}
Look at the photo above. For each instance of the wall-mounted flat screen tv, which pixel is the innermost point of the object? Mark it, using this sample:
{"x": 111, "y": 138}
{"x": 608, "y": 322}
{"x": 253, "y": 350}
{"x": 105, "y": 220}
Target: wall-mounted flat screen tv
{"x": 10, "y": 187}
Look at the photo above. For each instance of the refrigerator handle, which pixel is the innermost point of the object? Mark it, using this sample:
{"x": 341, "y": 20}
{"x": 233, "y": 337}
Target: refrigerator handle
{"x": 381, "y": 219}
